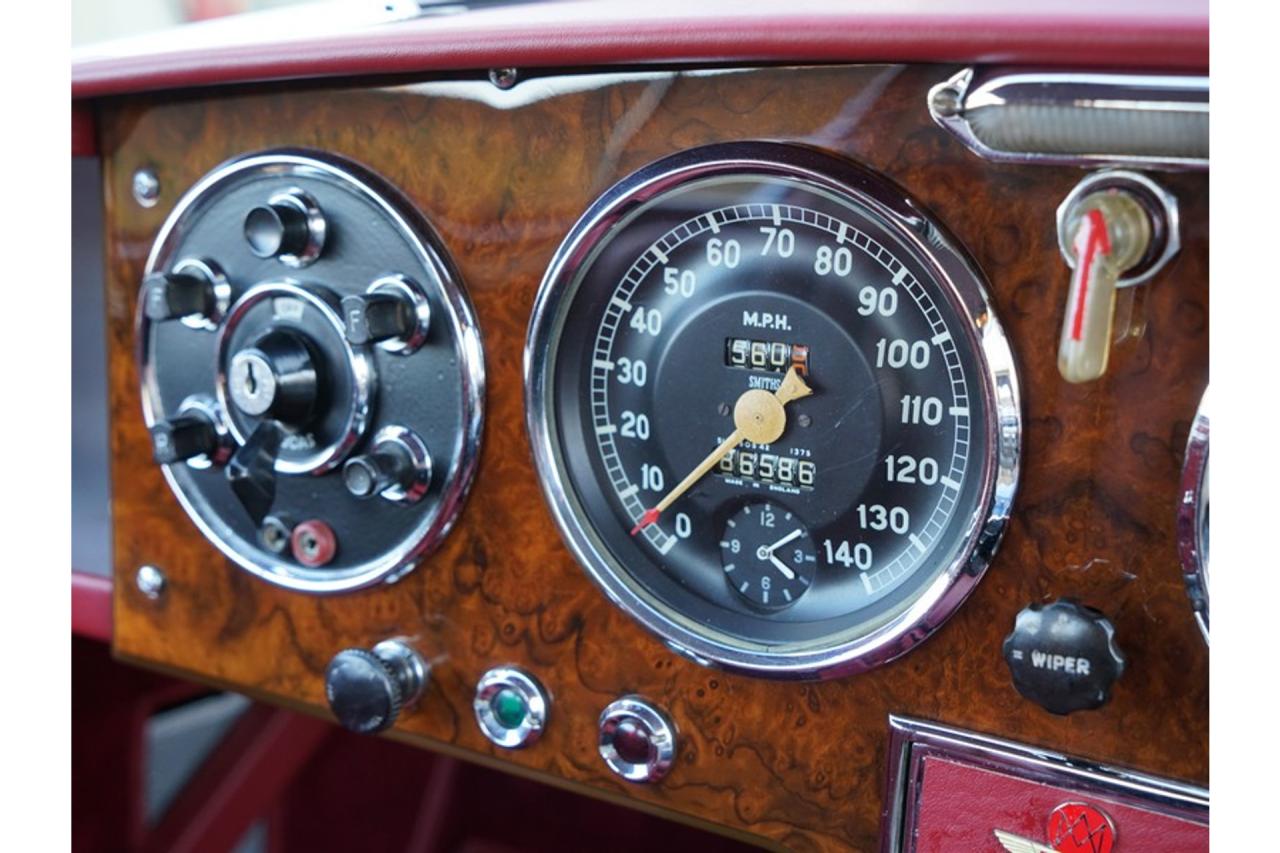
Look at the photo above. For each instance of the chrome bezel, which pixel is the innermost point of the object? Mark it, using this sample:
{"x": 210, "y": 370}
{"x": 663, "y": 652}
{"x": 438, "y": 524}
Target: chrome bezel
{"x": 1149, "y": 194}
{"x": 408, "y": 441}
{"x": 317, "y": 227}
{"x": 998, "y": 385}
{"x": 453, "y": 304}
{"x": 912, "y": 739}
{"x": 1193, "y": 551}
{"x": 972, "y": 88}
{"x": 222, "y": 293}
{"x": 662, "y": 739}
{"x": 359, "y": 368}
{"x": 407, "y": 288}
{"x": 536, "y": 702}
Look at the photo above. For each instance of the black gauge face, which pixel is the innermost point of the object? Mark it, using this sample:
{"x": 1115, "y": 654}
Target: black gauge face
{"x": 705, "y": 299}
{"x": 768, "y": 556}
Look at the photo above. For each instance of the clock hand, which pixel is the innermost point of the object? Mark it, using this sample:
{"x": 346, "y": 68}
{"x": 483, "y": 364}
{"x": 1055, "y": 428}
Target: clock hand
{"x": 781, "y": 566}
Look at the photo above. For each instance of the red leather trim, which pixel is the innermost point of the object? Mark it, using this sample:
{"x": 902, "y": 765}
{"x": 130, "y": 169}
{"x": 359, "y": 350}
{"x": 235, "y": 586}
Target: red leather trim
{"x": 91, "y": 606}
{"x": 84, "y": 138}
{"x": 1159, "y": 34}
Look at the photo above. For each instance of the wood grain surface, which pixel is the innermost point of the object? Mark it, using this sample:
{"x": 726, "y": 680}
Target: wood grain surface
{"x": 502, "y": 176}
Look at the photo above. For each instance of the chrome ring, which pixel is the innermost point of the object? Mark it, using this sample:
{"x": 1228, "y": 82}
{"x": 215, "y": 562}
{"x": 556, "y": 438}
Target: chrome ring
{"x": 222, "y": 293}
{"x": 660, "y": 731}
{"x": 359, "y": 367}
{"x": 1193, "y": 516}
{"x": 403, "y": 286}
{"x": 529, "y": 689}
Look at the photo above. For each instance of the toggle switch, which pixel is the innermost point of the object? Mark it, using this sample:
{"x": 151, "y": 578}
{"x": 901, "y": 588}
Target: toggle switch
{"x": 376, "y": 317}
{"x": 183, "y": 437}
{"x": 1115, "y": 229}
{"x": 194, "y": 291}
{"x": 397, "y": 467}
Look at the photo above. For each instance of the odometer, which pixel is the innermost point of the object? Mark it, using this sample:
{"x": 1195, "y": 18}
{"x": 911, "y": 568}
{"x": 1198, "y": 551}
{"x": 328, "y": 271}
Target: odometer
{"x": 757, "y": 333}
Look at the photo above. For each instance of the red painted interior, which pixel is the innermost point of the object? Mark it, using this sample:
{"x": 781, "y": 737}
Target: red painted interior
{"x": 91, "y": 606}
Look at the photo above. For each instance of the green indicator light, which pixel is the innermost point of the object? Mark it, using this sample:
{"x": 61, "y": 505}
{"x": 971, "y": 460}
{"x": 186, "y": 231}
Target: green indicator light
{"x": 509, "y": 707}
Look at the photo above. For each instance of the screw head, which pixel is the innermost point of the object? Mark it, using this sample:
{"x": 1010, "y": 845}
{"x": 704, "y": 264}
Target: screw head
{"x": 146, "y": 187}
{"x": 946, "y": 101}
{"x": 504, "y": 78}
{"x": 151, "y": 582}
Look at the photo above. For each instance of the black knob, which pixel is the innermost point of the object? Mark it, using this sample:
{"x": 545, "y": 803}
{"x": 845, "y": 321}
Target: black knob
{"x": 367, "y": 689}
{"x": 377, "y": 317}
{"x": 183, "y": 437}
{"x": 170, "y": 295}
{"x": 373, "y": 473}
{"x": 275, "y": 378}
{"x": 276, "y": 230}
{"x": 1063, "y": 656}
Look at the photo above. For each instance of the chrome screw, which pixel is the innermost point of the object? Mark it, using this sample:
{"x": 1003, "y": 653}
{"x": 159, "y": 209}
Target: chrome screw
{"x": 146, "y": 187}
{"x": 504, "y": 78}
{"x": 151, "y": 582}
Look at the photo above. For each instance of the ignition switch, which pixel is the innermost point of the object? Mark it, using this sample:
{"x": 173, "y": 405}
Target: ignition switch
{"x": 1116, "y": 229}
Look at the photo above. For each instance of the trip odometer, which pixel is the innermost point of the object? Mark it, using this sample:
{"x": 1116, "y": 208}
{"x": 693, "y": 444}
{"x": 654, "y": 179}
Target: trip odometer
{"x": 757, "y": 327}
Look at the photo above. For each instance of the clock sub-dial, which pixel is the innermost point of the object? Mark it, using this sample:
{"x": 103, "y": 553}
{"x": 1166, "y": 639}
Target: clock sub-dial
{"x": 768, "y": 555}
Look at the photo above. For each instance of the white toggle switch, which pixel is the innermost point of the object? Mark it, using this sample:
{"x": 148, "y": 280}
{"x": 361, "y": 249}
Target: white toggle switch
{"x": 1106, "y": 234}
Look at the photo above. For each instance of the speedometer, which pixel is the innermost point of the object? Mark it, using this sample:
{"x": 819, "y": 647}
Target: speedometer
{"x": 773, "y": 411}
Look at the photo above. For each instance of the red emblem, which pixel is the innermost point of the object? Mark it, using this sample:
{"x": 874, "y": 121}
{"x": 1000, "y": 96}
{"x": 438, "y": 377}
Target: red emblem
{"x": 1077, "y": 828}
{"x": 1073, "y": 828}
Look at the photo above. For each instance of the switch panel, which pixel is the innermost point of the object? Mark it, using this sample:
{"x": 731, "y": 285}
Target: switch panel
{"x": 328, "y": 340}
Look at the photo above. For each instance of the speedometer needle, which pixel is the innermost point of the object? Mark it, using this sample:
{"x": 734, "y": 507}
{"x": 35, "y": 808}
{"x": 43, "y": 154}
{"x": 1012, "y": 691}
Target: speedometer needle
{"x": 759, "y": 417}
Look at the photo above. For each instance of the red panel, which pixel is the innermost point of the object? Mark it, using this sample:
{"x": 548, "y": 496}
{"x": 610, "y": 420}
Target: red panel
{"x": 84, "y": 141}
{"x": 91, "y": 606}
{"x": 1173, "y": 34}
{"x": 960, "y": 807}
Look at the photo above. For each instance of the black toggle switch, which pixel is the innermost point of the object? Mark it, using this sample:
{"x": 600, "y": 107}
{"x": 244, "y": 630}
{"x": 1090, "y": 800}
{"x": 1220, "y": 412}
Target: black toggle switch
{"x": 373, "y": 473}
{"x": 277, "y": 230}
{"x": 377, "y": 317}
{"x": 252, "y": 471}
{"x": 170, "y": 295}
{"x": 367, "y": 689}
{"x": 1063, "y": 656}
{"x": 183, "y": 437}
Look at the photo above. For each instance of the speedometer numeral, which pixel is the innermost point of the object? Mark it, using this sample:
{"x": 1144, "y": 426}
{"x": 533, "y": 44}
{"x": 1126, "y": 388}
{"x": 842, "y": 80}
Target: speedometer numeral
{"x": 631, "y": 371}
{"x": 897, "y": 352}
{"x": 921, "y": 410}
{"x": 881, "y": 301}
{"x": 646, "y": 320}
{"x": 635, "y": 425}
{"x": 857, "y": 555}
{"x": 838, "y": 260}
{"x": 723, "y": 252}
{"x": 652, "y": 478}
{"x": 780, "y": 240}
{"x": 881, "y": 517}
{"x": 681, "y": 282}
{"x": 908, "y": 469}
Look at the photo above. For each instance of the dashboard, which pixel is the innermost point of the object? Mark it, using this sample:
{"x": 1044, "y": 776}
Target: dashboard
{"x": 784, "y": 448}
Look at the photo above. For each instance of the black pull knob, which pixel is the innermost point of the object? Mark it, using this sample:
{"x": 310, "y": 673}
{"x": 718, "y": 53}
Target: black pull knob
{"x": 367, "y": 689}
{"x": 373, "y": 473}
{"x": 252, "y": 471}
{"x": 183, "y": 437}
{"x": 278, "y": 230}
{"x": 170, "y": 295}
{"x": 377, "y": 317}
{"x": 1063, "y": 656}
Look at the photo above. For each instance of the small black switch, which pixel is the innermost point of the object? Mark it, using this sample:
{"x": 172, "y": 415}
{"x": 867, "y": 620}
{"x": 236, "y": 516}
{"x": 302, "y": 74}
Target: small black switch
{"x": 183, "y": 437}
{"x": 367, "y": 689}
{"x": 378, "y": 317}
{"x": 170, "y": 295}
{"x": 1063, "y": 656}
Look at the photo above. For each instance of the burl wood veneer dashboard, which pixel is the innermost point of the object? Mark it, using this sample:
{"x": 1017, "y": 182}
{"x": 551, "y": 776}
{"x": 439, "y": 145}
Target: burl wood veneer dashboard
{"x": 427, "y": 356}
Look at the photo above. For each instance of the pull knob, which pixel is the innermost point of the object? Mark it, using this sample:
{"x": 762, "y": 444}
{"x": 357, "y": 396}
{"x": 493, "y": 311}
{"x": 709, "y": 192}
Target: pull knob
{"x": 398, "y": 467}
{"x": 183, "y": 437}
{"x": 276, "y": 378}
{"x": 289, "y": 227}
{"x": 171, "y": 295}
{"x": 377, "y": 317}
{"x": 368, "y": 689}
{"x": 1063, "y": 656}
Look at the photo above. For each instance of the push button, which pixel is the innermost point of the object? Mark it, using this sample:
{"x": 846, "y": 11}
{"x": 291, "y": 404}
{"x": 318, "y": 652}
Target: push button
{"x": 1063, "y": 656}
{"x": 511, "y": 707}
{"x": 637, "y": 740}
